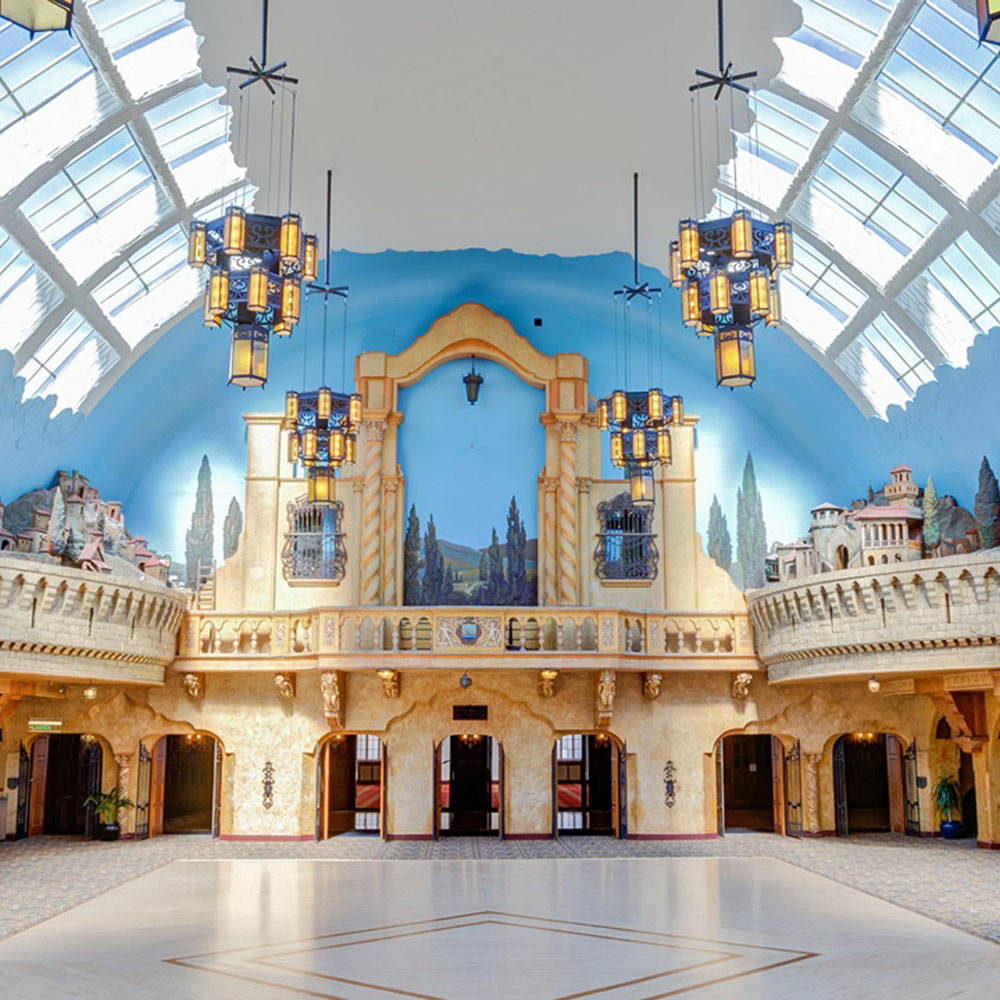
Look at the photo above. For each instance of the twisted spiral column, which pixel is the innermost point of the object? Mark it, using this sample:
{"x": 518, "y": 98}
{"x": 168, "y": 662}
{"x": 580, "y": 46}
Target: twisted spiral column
{"x": 371, "y": 527}
{"x": 568, "y": 590}
{"x": 390, "y": 490}
{"x": 548, "y": 580}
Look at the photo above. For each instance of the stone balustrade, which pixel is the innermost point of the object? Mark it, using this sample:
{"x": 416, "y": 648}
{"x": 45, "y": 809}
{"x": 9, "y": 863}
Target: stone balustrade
{"x": 930, "y": 614}
{"x": 427, "y": 637}
{"x": 57, "y": 621}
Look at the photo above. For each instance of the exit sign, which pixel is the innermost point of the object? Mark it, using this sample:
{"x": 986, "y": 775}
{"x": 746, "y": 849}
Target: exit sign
{"x": 44, "y": 725}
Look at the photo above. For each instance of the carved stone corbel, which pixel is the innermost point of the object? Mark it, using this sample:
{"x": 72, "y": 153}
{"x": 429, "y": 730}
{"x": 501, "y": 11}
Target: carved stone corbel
{"x": 390, "y": 682}
{"x": 651, "y": 685}
{"x": 547, "y": 682}
{"x": 285, "y": 686}
{"x": 332, "y": 685}
{"x": 194, "y": 685}
{"x": 741, "y": 686}
{"x": 605, "y": 698}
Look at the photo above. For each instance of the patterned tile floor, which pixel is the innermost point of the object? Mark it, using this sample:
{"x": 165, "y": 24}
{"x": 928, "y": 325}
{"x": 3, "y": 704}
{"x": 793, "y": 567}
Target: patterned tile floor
{"x": 953, "y": 882}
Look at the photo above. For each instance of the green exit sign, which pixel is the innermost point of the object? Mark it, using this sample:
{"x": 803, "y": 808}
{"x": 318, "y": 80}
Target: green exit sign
{"x": 44, "y": 725}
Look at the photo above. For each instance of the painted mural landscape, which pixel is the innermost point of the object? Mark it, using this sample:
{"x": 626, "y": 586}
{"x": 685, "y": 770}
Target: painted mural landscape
{"x": 439, "y": 572}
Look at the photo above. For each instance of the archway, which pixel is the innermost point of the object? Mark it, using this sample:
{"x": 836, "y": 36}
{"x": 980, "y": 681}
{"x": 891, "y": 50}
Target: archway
{"x": 750, "y": 783}
{"x": 868, "y": 783}
{"x": 179, "y": 786}
{"x": 842, "y": 557}
{"x": 468, "y": 770}
{"x": 967, "y": 791}
{"x": 585, "y": 784}
{"x": 63, "y": 770}
{"x": 350, "y": 782}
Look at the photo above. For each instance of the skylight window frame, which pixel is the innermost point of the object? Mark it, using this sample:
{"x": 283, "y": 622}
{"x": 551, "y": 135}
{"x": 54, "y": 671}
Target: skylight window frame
{"x": 986, "y": 309}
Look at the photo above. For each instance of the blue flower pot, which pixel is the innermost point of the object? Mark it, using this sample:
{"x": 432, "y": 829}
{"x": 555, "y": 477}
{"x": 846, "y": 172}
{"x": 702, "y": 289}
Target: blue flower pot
{"x": 951, "y": 829}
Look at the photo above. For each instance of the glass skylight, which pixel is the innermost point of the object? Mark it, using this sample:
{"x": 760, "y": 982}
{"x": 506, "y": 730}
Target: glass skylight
{"x": 26, "y": 293}
{"x": 939, "y": 65}
{"x": 970, "y": 277}
{"x": 844, "y": 29}
{"x": 157, "y": 260}
{"x": 784, "y": 132}
{"x": 822, "y": 280}
{"x": 72, "y": 359}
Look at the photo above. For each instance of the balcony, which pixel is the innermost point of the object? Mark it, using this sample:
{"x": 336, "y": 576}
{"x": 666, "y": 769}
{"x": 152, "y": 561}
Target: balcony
{"x": 906, "y": 618}
{"x": 71, "y": 624}
{"x": 449, "y": 638}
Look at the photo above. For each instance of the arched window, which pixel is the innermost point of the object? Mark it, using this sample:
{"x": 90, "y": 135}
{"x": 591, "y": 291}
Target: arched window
{"x": 625, "y": 546}
{"x": 314, "y": 545}
{"x": 943, "y": 731}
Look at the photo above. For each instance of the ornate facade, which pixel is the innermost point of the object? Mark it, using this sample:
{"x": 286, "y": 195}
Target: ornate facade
{"x": 642, "y": 661}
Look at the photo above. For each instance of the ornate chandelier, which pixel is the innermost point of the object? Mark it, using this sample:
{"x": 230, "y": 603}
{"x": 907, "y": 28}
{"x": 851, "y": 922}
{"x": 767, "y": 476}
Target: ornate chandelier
{"x": 728, "y": 268}
{"x": 256, "y": 263}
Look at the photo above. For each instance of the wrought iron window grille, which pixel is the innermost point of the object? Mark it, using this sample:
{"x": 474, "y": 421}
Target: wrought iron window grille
{"x": 314, "y": 544}
{"x": 626, "y": 548}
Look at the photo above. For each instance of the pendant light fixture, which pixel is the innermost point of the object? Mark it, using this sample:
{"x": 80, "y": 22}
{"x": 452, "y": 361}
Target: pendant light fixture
{"x": 727, "y": 269}
{"x": 638, "y": 420}
{"x": 322, "y": 424}
{"x": 256, "y": 262}
{"x": 473, "y": 380}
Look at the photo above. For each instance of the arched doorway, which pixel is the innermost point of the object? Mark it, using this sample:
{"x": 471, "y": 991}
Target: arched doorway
{"x": 351, "y": 795}
{"x": 179, "y": 786}
{"x": 585, "y": 784}
{"x": 967, "y": 790}
{"x": 868, "y": 784}
{"x": 469, "y": 790}
{"x": 64, "y": 769}
{"x": 750, "y": 783}
{"x": 842, "y": 557}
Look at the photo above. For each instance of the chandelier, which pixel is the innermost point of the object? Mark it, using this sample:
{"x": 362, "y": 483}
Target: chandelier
{"x": 256, "y": 263}
{"x": 727, "y": 268}
{"x": 639, "y": 421}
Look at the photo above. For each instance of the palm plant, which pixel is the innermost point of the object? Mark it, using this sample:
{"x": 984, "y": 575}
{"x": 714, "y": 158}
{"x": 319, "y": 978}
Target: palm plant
{"x": 948, "y": 797}
{"x": 108, "y": 803}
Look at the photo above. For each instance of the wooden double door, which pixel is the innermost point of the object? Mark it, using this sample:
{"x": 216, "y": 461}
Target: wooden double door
{"x": 179, "y": 786}
{"x": 874, "y": 784}
{"x": 63, "y": 770}
{"x": 469, "y": 786}
{"x": 757, "y": 786}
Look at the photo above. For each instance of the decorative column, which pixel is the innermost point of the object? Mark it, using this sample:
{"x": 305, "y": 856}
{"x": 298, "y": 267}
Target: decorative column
{"x": 371, "y": 526}
{"x": 810, "y": 818}
{"x": 124, "y": 762}
{"x": 390, "y": 492}
{"x": 568, "y": 589}
{"x": 548, "y": 592}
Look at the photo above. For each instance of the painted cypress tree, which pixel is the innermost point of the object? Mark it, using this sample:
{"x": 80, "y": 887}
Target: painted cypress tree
{"x": 435, "y": 584}
{"x": 720, "y": 545}
{"x": 751, "y": 533}
{"x": 496, "y": 587}
{"x": 199, "y": 542}
{"x": 412, "y": 563}
{"x": 57, "y": 524}
{"x": 517, "y": 544}
{"x": 231, "y": 529}
{"x": 987, "y": 509}
{"x": 932, "y": 518}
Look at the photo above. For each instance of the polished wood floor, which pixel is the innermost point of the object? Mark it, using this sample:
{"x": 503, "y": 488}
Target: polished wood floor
{"x": 617, "y": 929}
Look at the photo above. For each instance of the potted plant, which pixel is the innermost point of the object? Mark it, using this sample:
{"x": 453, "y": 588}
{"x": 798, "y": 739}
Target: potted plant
{"x": 947, "y": 798}
{"x": 107, "y": 805}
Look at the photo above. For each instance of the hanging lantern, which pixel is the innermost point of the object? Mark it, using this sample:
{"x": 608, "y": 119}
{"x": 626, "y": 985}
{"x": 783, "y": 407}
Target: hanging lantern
{"x": 638, "y": 443}
{"x": 602, "y": 415}
{"x": 248, "y": 358}
{"x": 257, "y": 290}
{"x": 354, "y": 409}
{"x": 783, "y": 245}
{"x": 210, "y": 318}
{"x": 718, "y": 290}
{"x": 676, "y": 275}
{"x": 324, "y": 404}
{"x": 310, "y": 258}
{"x": 689, "y": 243}
{"x": 473, "y": 380}
{"x": 617, "y": 451}
{"x": 691, "y": 304}
{"x": 197, "y": 243}
{"x": 760, "y": 292}
{"x": 350, "y": 452}
{"x": 290, "y": 239}
{"x": 676, "y": 410}
{"x": 654, "y": 406}
{"x": 293, "y": 447}
{"x": 988, "y": 13}
{"x": 774, "y": 305}
{"x": 234, "y": 232}
{"x": 309, "y": 446}
{"x": 282, "y": 328}
{"x": 291, "y": 407}
{"x": 218, "y": 292}
{"x": 38, "y": 15}
{"x": 290, "y": 300}
{"x": 705, "y": 329}
{"x": 664, "y": 446}
{"x": 321, "y": 485}
{"x": 734, "y": 359}
{"x": 640, "y": 480}
{"x": 741, "y": 234}
{"x": 619, "y": 406}
{"x": 337, "y": 447}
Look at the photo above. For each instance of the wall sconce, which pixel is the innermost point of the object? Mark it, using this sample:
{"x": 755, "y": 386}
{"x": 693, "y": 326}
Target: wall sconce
{"x": 874, "y": 684}
{"x": 465, "y": 680}
{"x": 473, "y": 380}
{"x": 90, "y": 692}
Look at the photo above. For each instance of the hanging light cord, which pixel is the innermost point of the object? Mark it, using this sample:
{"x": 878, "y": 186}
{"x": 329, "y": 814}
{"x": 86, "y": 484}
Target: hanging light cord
{"x": 291, "y": 151}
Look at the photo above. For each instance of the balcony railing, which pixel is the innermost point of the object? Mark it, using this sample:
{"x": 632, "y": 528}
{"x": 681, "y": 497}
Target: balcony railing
{"x": 511, "y": 635}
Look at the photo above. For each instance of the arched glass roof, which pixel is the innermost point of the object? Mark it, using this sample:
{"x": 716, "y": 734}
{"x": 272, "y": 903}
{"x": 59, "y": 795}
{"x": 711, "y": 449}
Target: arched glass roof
{"x": 110, "y": 143}
{"x": 879, "y": 139}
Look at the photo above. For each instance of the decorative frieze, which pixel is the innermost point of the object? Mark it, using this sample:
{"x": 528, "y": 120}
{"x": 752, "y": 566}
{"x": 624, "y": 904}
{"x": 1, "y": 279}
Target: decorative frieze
{"x": 605, "y": 698}
{"x": 331, "y": 683}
